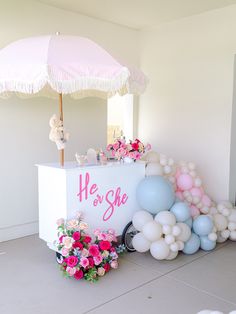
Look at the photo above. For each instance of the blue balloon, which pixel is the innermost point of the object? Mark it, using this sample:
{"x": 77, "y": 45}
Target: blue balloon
{"x": 202, "y": 225}
{"x": 206, "y": 244}
{"x": 192, "y": 245}
{"x": 189, "y": 222}
{"x": 155, "y": 194}
{"x": 181, "y": 211}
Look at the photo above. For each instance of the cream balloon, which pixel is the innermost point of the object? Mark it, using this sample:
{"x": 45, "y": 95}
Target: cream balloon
{"x": 159, "y": 249}
{"x": 220, "y": 222}
{"x": 176, "y": 231}
{"x": 140, "y": 218}
{"x": 154, "y": 169}
{"x": 232, "y": 236}
{"x": 140, "y": 243}
{"x": 232, "y": 216}
{"x": 152, "y": 231}
{"x": 165, "y": 218}
{"x": 169, "y": 239}
{"x": 185, "y": 233}
{"x": 232, "y": 226}
{"x": 152, "y": 157}
{"x": 166, "y": 229}
{"x": 172, "y": 255}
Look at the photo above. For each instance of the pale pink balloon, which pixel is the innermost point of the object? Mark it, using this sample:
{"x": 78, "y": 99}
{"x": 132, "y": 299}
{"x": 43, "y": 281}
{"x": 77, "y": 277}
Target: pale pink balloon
{"x": 180, "y": 196}
{"x": 178, "y": 173}
{"x": 206, "y": 200}
{"x": 194, "y": 211}
{"x": 196, "y": 192}
{"x": 185, "y": 182}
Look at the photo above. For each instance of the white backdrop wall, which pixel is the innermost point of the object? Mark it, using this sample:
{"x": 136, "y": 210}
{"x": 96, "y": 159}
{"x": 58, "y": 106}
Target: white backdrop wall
{"x": 24, "y": 123}
{"x": 186, "y": 110}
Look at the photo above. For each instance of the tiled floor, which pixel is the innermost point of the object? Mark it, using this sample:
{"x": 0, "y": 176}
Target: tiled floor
{"x": 30, "y": 283}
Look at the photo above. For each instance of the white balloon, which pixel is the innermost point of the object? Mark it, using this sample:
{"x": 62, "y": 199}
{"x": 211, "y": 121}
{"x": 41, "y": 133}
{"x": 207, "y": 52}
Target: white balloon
{"x": 154, "y": 169}
{"x": 152, "y": 157}
{"x": 220, "y": 239}
{"x": 220, "y": 222}
{"x": 169, "y": 239}
{"x": 140, "y": 243}
{"x": 166, "y": 229}
{"x": 212, "y": 236}
{"x": 180, "y": 245}
{"x": 174, "y": 247}
{"x": 163, "y": 161}
{"x": 140, "y": 218}
{"x": 152, "y": 231}
{"x": 159, "y": 249}
{"x": 191, "y": 165}
{"x": 176, "y": 231}
{"x": 226, "y": 212}
{"x": 185, "y": 233}
{"x": 213, "y": 211}
{"x": 226, "y": 204}
{"x": 220, "y": 207}
{"x": 170, "y": 162}
{"x": 205, "y": 312}
{"x": 232, "y": 312}
{"x": 205, "y": 210}
{"x": 232, "y": 216}
{"x": 167, "y": 169}
{"x": 166, "y": 218}
{"x": 232, "y": 235}
{"x": 197, "y": 182}
{"x": 225, "y": 234}
{"x": 232, "y": 226}
{"x": 193, "y": 173}
{"x": 172, "y": 255}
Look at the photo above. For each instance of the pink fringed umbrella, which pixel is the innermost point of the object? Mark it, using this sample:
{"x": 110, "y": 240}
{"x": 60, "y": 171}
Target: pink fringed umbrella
{"x": 61, "y": 65}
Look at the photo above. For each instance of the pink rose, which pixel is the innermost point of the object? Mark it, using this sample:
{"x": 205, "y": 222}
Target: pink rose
{"x": 116, "y": 145}
{"x": 109, "y": 147}
{"x": 71, "y": 270}
{"x": 98, "y": 259}
{"x": 79, "y": 274}
{"x": 97, "y": 232}
{"x": 76, "y": 235}
{"x": 85, "y": 253}
{"x": 91, "y": 262}
{"x": 84, "y": 262}
{"x": 114, "y": 264}
{"x": 77, "y": 245}
{"x": 87, "y": 239}
{"x": 102, "y": 236}
{"x": 107, "y": 267}
{"x": 72, "y": 224}
{"x": 71, "y": 261}
{"x": 93, "y": 250}
{"x": 105, "y": 245}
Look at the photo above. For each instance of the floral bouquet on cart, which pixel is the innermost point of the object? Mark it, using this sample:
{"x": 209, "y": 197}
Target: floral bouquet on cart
{"x": 133, "y": 150}
{"x": 83, "y": 257}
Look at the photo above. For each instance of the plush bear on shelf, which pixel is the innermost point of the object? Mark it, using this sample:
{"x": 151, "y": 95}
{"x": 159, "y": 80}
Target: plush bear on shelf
{"x": 57, "y": 133}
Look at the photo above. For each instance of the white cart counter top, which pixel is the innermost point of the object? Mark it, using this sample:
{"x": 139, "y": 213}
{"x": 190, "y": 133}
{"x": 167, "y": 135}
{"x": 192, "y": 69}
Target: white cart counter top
{"x": 106, "y": 194}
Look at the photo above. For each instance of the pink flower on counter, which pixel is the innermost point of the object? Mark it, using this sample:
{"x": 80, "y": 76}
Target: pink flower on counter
{"x": 83, "y": 225}
{"x": 61, "y": 238}
{"x": 79, "y": 274}
{"x": 105, "y": 245}
{"x": 71, "y": 270}
{"x": 71, "y": 261}
{"x": 76, "y": 235}
{"x": 87, "y": 239}
{"x": 114, "y": 264}
{"x": 65, "y": 251}
{"x": 72, "y": 224}
{"x": 85, "y": 253}
{"x": 68, "y": 241}
{"x": 101, "y": 271}
{"x": 93, "y": 250}
{"x": 98, "y": 259}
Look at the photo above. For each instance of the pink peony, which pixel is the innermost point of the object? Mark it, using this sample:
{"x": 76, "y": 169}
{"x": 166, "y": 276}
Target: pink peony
{"x": 65, "y": 251}
{"x": 79, "y": 274}
{"x": 60, "y": 222}
{"x": 105, "y": 245}
{"x": 71, "y": 270}
{"x": 68, "y": 241}
{"x": 76, "y": 235}
{"x": 93, "y": 250}
{"x": 71, "y": 261}
{"x": 98, "y": 259}
{"x": 84, "y": 262}
{"x": 114, "y": 264}
{"x": 101, "y": 271}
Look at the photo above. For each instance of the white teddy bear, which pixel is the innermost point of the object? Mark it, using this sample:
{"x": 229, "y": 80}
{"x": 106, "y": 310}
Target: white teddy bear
{"x": 57, "y": 133}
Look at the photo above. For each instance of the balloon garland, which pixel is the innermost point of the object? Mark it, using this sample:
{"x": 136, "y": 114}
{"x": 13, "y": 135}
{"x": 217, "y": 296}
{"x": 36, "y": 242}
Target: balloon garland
{"x": 180, "y": 215}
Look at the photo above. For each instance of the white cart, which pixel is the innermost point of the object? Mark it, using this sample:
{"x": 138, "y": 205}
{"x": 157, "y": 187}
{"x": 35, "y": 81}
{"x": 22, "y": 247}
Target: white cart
{"x": 106, "y": 194}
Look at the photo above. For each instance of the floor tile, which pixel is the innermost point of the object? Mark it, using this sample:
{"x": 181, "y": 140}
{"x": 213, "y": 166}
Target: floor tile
{"x": 163, "y": 296}
{"x": 32, "y": 284}
{"x": 214, "y": 273}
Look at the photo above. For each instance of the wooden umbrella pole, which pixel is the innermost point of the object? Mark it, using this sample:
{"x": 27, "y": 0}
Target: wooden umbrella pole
{"x": 62, "y": 155}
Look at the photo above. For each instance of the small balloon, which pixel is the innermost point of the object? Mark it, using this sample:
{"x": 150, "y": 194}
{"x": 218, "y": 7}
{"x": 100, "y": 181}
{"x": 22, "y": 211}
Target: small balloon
{"x": 206, "y": 244}
{"x": 192, "y": 245}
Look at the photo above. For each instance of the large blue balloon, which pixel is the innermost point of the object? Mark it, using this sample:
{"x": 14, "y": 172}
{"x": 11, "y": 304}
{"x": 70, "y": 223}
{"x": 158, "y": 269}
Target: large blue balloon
{"x": 203, "y": 225}
{"x": 192, "y": 245}
{"x": 181, "y": 211}
{"x": 155, "y": 194}
{"x": 206, "y": 244}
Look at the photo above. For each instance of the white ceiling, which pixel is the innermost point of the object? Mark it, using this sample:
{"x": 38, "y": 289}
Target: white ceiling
{"x": 139, "y": 14}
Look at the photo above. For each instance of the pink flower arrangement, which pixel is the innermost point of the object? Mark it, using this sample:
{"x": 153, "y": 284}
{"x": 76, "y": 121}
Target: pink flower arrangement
{"x": 83, "y": 258}
{"x": 134, "y": 149}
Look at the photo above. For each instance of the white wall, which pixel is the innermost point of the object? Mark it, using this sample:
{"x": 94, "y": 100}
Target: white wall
{"x": 24, "y": 123}
{"x": 186, "y": 111}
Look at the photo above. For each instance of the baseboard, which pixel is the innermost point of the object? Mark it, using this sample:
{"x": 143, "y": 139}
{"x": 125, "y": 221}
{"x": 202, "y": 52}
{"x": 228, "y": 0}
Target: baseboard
{"x": 18, "y": 231}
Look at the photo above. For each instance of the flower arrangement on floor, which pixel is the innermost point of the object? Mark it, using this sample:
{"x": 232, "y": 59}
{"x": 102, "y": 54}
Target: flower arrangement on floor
{"x": 82, "y": 257}
{"x": 134, "y": 149}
